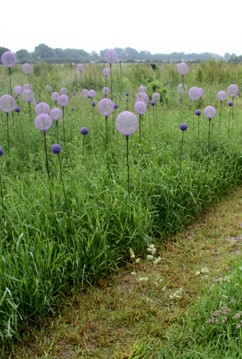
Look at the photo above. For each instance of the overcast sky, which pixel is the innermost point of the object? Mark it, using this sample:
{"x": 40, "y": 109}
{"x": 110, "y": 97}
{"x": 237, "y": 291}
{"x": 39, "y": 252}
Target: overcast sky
{"x": 158, "y": 26}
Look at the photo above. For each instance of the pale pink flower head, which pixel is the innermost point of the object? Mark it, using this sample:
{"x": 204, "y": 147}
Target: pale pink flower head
{"x": 127, "y": 123}
{"x": 27, "y": 95}
{"x": 63, "y": 91}
{"x": 18, "y": 90}
{"x": 156, "y": 96}
{"x": 105, "y": 90}
{"x": 42, "y": 107}
{"x": 84, "y": 93}
{"x": 54, "y": 96}
{"x": 221, "y": 96}
{"x": 43, "y": 122}
{"x": 182, "y": 68}
{"x": 9, "y": 59}
{"x": 110, "y": 56}
{"x": 63, "y": 100}
{"x": 26, "y": 68}
{"x": 194, "y": 93}
{"x": 105, "y": 106}
{"x": 142, "y": 88}
{"x": 142, "y": 96}
{"x": 140, "y": 107}
{"x": 233, "y": 90}
{"x": 91, "y": 94}
{"x": 106, "y": 71}
{"x": 56, "y": 113}
{"x": 7, "y": 103}
{"x": 80, "y": 67}
{"x": 210, "y": 112}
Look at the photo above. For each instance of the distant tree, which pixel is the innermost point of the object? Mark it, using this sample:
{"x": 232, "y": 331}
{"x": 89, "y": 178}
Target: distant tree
{"x": 2, "y": 50}
{"x": 22, "y": 56}
{"x": 43, "y": 52}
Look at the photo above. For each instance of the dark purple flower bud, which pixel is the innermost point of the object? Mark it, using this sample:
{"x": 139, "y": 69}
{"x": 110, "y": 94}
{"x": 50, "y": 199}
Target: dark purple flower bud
{"x": 93, "y": 103}
{"x": 198, "y": 112}
{"x": 233, "y": 90}
{"x": 182, "y": 68}
{"x": 127, "y": 123}
{"x": 183, "y": 126}
{"x": 55, "y": 96}
{"x": 84, "y": 93}
{"x": 7, "y": 103}
{"x": 127, "y": 94}
{"x": 115, "y": 106}
{"x": 221, "y": 96}
{"x": 106, "y": 71}
{"x": 210, "y": 112}
{"x": 84, "y": 131}
{"x": 17, "y": 109}
{"x": 43, "y": 122}
{"x": 110, "y": 56}
{"x": 230, "y": 103}
{"x": 56, "y": 148}
{"x": 152, "y": 102}
{"x": 26, "y": 68}
{"x": 80, "y": 67}
{"x": 105, "y": 107}
{"x": 72, "y": 108}
{"x": 17, "y": 90}
{"x": 42, "y": 107}
{"x": 74, "y": 93}
{"x": 63, "y": 100}
{"x": 140, "y": 107}
{"x": 142, "y": 96}
{"x": 56, "y": 113}
{"x": 27, "y": 95}
{"x": 91, "y": 94}
{"x": 156, "y": 96}
{"x": 63, "y": 91}
{"x": 1, "y": 151}
{"x": 9, "y": 59}
{"x": 105, "y": 90}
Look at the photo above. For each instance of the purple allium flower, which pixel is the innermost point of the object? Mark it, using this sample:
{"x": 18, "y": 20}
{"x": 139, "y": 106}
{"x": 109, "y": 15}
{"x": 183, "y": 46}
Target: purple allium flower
{"x": 84, "y": 131}
{"x": 182, "y": 68}
{"x": 91, "y": 94}
{"x": 56, "y": 148}
{"x": 27, "y": 95}
{"x": 63, "y": 91}
{"x": 142, "y": 88}
{"x": 221, "y": 96}
{"x": 17, "y": 90}
{"x": 106, "y": 71}
{"x": 194, "y": 93}
{"x": 105, "y": 107}
{"x": 230, "y": 103}
{"x": 181, "y": 88}
{"x": 156, "y": 96}
{"x": 183, "y": 126}
{"x": 93, "y": 104}
{"x": 26, "y": 87}
{"x": 198, "y": 112}
{"x": 43, "y": 122}
{"x": 84, "y": 93}
{"x": 110, "y": 56}
{"x": 26, "y": 68}
{"x": 56, "y": 113}
{"x": 210, "y": 112}
{"x": 233, "y": 90}
{"x": 105, "y": 90}
{"x": 7, "y": 103}
{"x": 63, "y": 100}
{"x": 140, "y": 107}
{"x": 1, "y": 151}
{"x": 42, "y": 107}
{"x": 142, "y": 96}
{"x": 9, "y": 59}
{"x": 153, "y": 102}
{"x": 55, "y": 96}
{"x": 80, "y": 67}
{"x": 17, "y": 109}
{"x": 127, "y": 123}
{"x": 115, "y": 106}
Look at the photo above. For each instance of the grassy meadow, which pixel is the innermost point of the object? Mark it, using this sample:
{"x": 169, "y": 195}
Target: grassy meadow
{"x": 68, "y": 219}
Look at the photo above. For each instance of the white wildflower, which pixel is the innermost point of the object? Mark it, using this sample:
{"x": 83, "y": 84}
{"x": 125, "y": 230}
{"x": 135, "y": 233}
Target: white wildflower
{"x": 133, "y": 273}
{"x": 151, "y": 249}
{"x": 150, "y": 257}
{"x": 137, "y": 260}
{"x": 157, "y": 260}
{"x": 143, "y": 279}
{"x": 132, "y": 255}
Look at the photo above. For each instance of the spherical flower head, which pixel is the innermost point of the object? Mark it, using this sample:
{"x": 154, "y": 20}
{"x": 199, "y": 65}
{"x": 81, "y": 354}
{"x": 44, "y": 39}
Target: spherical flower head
{"x": 182, "y": 68}
{"x": 63, "y": 100}
{"x": 105, "y": 107}
{"x": 56, "y": 113}
{"x": 26, "y": 68}
{"x": 194, "y": 93}
{"x": 230, "y": 103}
{"x": 9, "y": 59}
{"x": 27, "y": 87}
{"x": 110, "y": 56}
{"x": 140, "y": 107}
{"x": 84, "y": 93}
{"x": 63, "y": 91}
{"x": 127, "y": 123}
{"x": 43, "y": 122}
{"x": 156, "y": 96}
{"x": 17, "y": 90}
{"x": 54, "y": 96}
{"x": 181, "y": 88}
{"x": 153, "y": 102}
{"x": 56, "y": 148}
{"x": 84, "y": 131}
{"x": 142, "y": 96}
{"x": 105, "y": 90}
{"x": 221, "y": 96}
{"x": 17, "y": 109}
{"x": 27, "y": 95}
{"x": 42, "y": 107}
{"x": 198, "y": 112}
{"x": 7, "y": 103}
{"x": 183, "y": 126}
{"x": 1, "y": 151}
{"x": 80, "y": 67}
{"x": 210, "y": 112}
{"x": 233, "y": 90}
{"x": 106, "y": 71}
{"x": 142, "y": 88}
{"x": 91, "y": 94}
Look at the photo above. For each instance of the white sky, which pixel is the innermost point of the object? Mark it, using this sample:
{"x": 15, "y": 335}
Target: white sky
{"x": 158, "y": 26}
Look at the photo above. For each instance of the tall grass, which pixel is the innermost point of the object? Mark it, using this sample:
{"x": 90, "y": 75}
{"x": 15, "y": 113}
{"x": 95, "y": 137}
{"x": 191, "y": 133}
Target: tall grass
{"x": 53, "y": 240}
